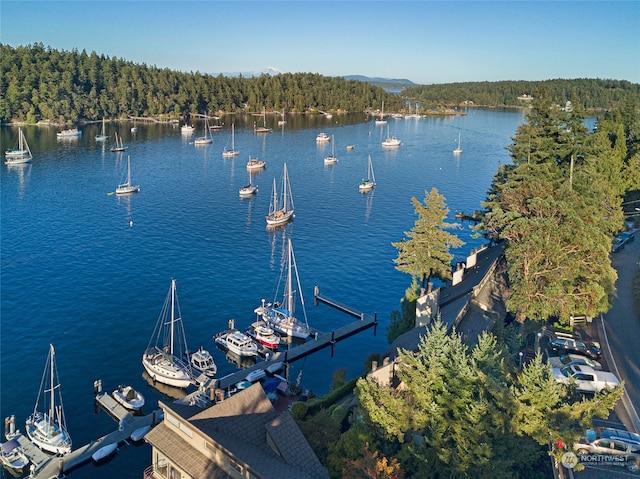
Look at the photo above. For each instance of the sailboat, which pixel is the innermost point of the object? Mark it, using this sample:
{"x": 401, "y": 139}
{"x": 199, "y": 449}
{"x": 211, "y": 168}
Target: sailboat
{"x": 232, "y": 152}
{"x": 255, "y": 164}
{"x": 126, "y": 187}
{"x": 47, "y": 429}
{"x": 206, "y": 138}
{"x": 163, "y": 359}
{"x": 331, "y": 160}
{"x": 22, "y": 154}
{"x": 390, "y": 141}
{"x": 249, "y": 189}
{"x": 281, "y": 316}
{"x": 281, "y": 209}
{"x": 102, "y": 136}
{"x": 382, "y": 120}
{"x": 262, "y": 129}
{"x": 282, "y": 121}
{"x": 370, "y": 182}
{"x": 458, "y": 150}
{"x": 118, "y": 146}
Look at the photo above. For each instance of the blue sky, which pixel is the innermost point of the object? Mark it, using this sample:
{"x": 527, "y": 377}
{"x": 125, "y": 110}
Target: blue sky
{"x": 423, "y": 41}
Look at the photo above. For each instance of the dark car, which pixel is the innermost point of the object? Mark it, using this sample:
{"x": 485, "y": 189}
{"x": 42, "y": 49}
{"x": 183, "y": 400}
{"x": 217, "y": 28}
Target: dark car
{"x": 583, "y": 348}
{"x": 627, "y": 236}
{"x": 617, "y": 244}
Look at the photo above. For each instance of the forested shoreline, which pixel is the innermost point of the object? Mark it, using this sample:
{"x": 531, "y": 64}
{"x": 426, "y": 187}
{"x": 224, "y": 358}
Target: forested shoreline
{"x": 38, "y": 83}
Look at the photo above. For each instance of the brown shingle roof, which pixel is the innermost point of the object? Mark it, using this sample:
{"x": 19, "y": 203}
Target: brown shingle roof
{"x": 240, "y": 425}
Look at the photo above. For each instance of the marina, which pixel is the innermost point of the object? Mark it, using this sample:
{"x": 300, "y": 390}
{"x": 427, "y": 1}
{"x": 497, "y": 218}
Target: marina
{"x": 101, "y": 264}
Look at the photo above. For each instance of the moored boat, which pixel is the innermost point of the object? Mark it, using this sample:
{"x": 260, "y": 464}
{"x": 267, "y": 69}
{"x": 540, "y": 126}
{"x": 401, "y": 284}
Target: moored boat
{"x": 163, "y": 359}
{"x": 255, "y": 164}
{"x": 22, "y": 154}
{"x": 129, "y": 397}
{"x": 47, "y": 429}
{"x": 69, "y": 133}
{"x": 264, "y": 334}
{"x": 236, "y": 342}
{"x": 139, "y": 433}
{"x": 281, "y": 207}
{"x": 322, "y": 137}
{"x": 126, "y": 187}
{"x": 104, "y": 452}
{"x": 202, "y": 363}
{"x": 13, "y": 457}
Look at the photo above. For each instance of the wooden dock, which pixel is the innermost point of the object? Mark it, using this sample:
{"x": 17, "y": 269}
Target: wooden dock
{"x": 321, "y": 341}
{"x": 46, "y": 466}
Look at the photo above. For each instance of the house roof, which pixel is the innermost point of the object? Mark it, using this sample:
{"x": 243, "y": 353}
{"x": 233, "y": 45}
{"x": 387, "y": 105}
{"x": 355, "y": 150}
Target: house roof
{"x": 248, "y": 426}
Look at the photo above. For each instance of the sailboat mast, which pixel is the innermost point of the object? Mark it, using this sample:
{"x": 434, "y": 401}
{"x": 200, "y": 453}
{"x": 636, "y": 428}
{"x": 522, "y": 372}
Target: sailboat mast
{"x": 285, "y": 180}
{"x": 52, "y": 406}
{"x": 173, "y": 306}
{"x": 233, "y": 144}
{"x": 289, "y": 304}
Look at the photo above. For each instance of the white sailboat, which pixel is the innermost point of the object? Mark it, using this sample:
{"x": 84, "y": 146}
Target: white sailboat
{"x": 281, "y": 209}
{"x": 126, "y": 187}
{"x": 119, "y": 146}
{"x": 370, "y": 182}
{"x": 263, "y": 128}
{"x": 163, "y": 357}
{"x": 281, "y": 316}
{"x": 390, "y": 141}
{"x": 206, "y": 138}
{"x": 382, "y": 120}
{"x": 249, "y": 189}
{"x": 47, "y": 429}
{"x": 102, "y": 136}
{"x": 232, "y": 152}
{"x": 282, "y": 121}
{"x": 255, "y": 164}
{"x": 22, "y": 154}
{"x": 458, "y": 150}
{"x": 331, "y": 160}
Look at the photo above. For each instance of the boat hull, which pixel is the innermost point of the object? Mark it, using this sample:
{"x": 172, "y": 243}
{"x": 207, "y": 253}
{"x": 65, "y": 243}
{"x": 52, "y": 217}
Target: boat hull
{"x": 279, "y": 218}
{"x": 17, "y": 160}
{"x": 163, "y": 369}
{"x": 127, "y": 190}
{"x": 237, "y": 343}
{"x": 49, "y": 438}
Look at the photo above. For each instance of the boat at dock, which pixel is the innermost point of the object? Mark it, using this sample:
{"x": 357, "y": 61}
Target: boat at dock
{"x": 129, "y": 398}
{"x": 236, "y": 342}
{"x": 104, "y": 452}
{"x": 13, "y": 458}
{"x": 163, "y": 357}
{"x": 202, "y": 363}
{"x": 281, "y": 315}
{"x": 47, "y": 429}
{"x": 264, "y": 334}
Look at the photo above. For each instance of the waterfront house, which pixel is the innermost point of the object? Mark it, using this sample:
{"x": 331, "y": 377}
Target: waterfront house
{"x": 242, "y": 436}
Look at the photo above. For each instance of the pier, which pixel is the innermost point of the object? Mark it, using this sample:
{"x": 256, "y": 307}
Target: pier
{"x": 321, "y": 341}
{"x": 47, "y": 466}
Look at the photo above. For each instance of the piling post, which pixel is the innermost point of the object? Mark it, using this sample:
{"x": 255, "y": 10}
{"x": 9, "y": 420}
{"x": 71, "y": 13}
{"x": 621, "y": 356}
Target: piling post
{"x": 60, "y": 468}
{"x": 333, "y": 341}
{"x": 375, "y": 323}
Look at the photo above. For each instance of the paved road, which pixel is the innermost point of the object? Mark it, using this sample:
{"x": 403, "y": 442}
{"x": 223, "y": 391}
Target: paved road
{"x": 620, "y": 327}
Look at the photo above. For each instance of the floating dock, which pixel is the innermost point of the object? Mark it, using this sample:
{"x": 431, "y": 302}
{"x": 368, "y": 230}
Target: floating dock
{"x": 321, "y": 341}
{"x": 47, "y": 466}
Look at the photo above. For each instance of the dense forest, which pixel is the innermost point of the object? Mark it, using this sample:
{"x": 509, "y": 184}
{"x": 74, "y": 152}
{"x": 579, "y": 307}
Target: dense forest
{"x": 38, "y": 83}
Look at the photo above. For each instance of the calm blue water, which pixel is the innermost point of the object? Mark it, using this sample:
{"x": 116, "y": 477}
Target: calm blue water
{"x": 76, "y": 274}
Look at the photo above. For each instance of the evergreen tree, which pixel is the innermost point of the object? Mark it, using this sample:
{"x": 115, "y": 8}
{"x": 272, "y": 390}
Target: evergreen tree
{"x": 424, "y": 253}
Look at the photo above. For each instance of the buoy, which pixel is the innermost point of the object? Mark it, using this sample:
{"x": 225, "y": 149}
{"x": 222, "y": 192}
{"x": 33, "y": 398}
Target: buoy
{"x": 130, "y": 222}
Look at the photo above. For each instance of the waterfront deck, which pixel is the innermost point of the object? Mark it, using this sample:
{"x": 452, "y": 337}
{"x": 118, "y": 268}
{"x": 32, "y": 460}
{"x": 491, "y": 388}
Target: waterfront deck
{"x": 322, "y": 340}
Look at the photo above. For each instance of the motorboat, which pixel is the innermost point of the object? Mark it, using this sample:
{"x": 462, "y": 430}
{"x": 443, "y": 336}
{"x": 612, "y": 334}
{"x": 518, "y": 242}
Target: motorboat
{"x": 186, "y": 129}
{"x": 322, "y": 137}
{"x": 264, "y": 334}
{"x": 13, "y": 457}
{"x": 202, "y": 362}
{"x": 129, "y": 398}
{"x": 236, "y": 342}
{"x": 69, "y": 133}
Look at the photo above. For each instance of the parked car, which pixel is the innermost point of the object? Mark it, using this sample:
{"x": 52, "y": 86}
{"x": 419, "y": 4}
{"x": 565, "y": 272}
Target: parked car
{"x": 575, "y": 334}
{"x": 627, "y": 236}
{"x": 586, "y": 379}
{"x": 567, "y": 359}
{"x": 617, "y": 244}
{"x": 614, "y": 443}
{"x": 573, "y": 346}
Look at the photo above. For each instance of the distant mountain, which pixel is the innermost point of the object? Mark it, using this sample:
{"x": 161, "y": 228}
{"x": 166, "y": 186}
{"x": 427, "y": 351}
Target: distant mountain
{"x": 386, "y": 83}
{"x": 265, "y": 71}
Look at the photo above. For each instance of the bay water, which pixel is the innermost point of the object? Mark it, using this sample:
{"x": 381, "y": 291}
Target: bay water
{"x": 88, "y": 271}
